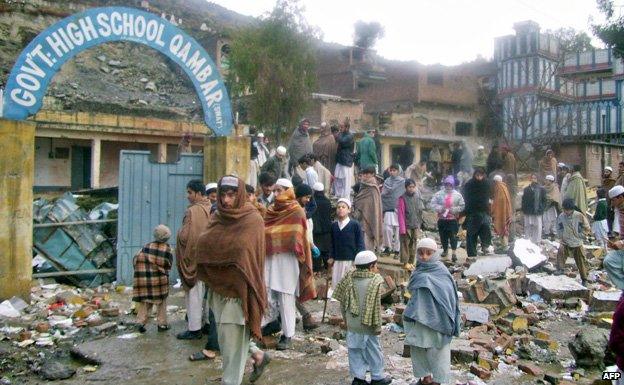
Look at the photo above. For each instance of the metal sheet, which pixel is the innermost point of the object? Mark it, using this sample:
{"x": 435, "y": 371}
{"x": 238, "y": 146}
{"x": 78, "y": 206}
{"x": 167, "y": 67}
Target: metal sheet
{"x": 150, "y": 194}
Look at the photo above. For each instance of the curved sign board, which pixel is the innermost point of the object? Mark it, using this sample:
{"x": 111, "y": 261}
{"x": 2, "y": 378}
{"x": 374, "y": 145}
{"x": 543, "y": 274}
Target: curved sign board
{"x": 44, "y": 56}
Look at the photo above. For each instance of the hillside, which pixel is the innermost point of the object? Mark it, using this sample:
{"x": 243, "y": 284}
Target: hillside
{"x": 113, "y": 77}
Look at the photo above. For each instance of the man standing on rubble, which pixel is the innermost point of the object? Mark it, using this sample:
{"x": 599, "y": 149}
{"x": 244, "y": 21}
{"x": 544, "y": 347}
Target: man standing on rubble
{"x": 577, "y": 190}
{"x": 533, "y": 205}
{"x": 571, "y": 229}
{"x": 607, "y": 183}
{"x": 194, "y": 223}
{"x": 614, "y": 261}
{"x": 478, "y": 194}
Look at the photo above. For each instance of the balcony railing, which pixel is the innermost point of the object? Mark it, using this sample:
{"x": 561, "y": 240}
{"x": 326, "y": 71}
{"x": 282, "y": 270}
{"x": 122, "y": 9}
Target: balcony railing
{"x": 588, "y": 61}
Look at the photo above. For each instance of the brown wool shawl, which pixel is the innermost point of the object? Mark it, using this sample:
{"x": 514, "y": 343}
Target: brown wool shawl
{"x": 230, "y": 257}
{"x": 325, "y": 148}
{"x": 502, "y": 211}
{"x": 195, "y": 222}
{"x": 285, "y": 230}
{"x": 367, "y": 209}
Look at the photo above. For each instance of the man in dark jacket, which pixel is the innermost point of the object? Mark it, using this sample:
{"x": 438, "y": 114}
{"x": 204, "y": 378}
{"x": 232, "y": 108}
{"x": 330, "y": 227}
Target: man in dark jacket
{"x": 477, "y": 194}
{"x": 344, "y": 162}
{"x": 322, "y": 226}
{"x": 494, "y": 160}
{"x": 533, "y": 206}
{"x": 456, "y": 157}
{"x": 406, "y": 155}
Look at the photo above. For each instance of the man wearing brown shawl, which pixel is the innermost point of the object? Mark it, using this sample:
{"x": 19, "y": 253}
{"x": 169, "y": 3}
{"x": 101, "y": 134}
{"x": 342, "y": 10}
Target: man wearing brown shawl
{"x": 325, "y": 148}
{"x": 509, "y": 162}
{"x": 230, "y": 257}
{"x": 288, "y": 268}
{"x": 367, "y": 209}
{"x": 548, "y": 164}
{"x": 502, "y": 210}
{"x": 194, "y": 223}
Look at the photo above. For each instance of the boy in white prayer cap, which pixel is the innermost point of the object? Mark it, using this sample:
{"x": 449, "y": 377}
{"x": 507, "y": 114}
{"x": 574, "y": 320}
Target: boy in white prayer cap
{"x": 359, "y": 293}
{"x": 347, "y": 241}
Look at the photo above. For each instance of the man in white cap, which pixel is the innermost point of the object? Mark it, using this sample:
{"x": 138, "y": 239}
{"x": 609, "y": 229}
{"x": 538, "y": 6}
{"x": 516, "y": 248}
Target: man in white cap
{"x": 614, "y": 261}
{"x": 360, "y": 302}
{"x": 480, "y": 159}
{"x": 211, "y": 192}
{"x": 263, "y": 150}
{"x": 288, "y": 266}
{"x": 563, "y": 177}
{"x": 607, "y": 183}
{"x": 347, "y": 241}
{"x": 276, "y": 164}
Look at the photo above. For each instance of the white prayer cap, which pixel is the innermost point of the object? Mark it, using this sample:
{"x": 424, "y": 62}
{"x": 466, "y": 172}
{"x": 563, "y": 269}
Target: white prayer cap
{"x": 161, "y": 233}
{"x": 364, "y": 257}
{"x": 284, "y": 183}
{"x": 261, "y": 135}
{"x": 211, "y": 185}
{"x": 616, "y": 191}
{"x": 318, "y": 186}
{"x": 230, "y": 181}
{"x": 550, "y": 178}
{"x": 498, "y": 178}
{"x": 427, "y": 243}
{"x": 560, "y": 165}
{"x": 609, "y": 168}
{"x": 345, "y": 201}
{"x": 281, "y": 150}
{"x": 480, "y": 148}
{"x": 324, "y": 124}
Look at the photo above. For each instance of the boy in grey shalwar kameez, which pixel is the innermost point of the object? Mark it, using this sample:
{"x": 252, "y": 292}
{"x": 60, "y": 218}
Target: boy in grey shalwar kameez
{"x": 431, "y": 317}
{"x": 360, "y": 303}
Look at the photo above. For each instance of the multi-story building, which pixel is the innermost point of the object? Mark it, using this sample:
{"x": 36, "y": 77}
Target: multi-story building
{"x": 567, "y": 100}
{"x": 425, "y": 104}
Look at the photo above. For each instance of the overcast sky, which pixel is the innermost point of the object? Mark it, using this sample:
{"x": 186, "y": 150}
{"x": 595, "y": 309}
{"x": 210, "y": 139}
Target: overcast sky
{"x": 433, "y": 31}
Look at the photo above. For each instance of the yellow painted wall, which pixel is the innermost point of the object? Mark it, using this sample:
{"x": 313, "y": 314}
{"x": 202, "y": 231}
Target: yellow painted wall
{"x": 226, "y": 156}
{"x": 17, "y": 142}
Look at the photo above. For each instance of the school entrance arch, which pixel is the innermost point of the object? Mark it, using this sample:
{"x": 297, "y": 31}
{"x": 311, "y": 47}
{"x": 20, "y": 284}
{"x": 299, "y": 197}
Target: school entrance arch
{"x": 45, "y": 55}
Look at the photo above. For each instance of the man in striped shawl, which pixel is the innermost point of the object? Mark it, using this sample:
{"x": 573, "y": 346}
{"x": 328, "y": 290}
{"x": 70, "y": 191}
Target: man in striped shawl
{"x": 288, "y": 266}
{"x": 151, "y": 278}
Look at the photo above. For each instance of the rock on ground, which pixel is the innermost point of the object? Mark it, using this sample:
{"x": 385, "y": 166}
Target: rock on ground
{"x": 53, "y": 370}
{"x": 589, "y": 346}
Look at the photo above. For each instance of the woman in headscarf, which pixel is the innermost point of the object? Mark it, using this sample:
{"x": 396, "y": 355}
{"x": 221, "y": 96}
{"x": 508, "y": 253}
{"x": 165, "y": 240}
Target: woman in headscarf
{"x": 288, "y": 269}
{"x": 502, "y": 210}
{"x": 230, "y": 260}
{"x": 431, "y": 317}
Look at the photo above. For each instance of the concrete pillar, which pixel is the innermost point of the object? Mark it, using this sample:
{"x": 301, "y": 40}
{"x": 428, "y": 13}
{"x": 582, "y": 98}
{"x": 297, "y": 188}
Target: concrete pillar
{"x": 162, "y": 152}
{"x": 386, "y": 156}
{"x": 417, "y": 151}
{"x": 96, "y": 154}
{"x": 225, "y": 155}
{"x": 17, "y": 158}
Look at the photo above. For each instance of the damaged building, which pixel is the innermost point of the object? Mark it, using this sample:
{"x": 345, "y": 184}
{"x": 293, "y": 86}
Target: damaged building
{"x": 427, "y": 105}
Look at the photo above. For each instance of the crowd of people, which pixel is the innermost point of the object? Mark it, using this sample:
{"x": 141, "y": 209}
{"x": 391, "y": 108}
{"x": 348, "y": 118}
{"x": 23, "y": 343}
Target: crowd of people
{"x": 247, "y": 253}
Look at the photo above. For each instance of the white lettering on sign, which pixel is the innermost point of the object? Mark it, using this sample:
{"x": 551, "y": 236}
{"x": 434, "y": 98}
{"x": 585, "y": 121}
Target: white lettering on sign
{"x": 57, "y": 44}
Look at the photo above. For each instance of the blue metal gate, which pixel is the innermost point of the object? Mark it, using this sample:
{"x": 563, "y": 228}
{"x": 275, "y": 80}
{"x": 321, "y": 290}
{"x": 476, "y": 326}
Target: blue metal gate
{"x": 150, "y": 194}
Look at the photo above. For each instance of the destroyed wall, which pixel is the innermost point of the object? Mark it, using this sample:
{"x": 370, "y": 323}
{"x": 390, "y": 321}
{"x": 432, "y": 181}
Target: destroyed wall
{"x": 447, "y": 86}
{"x": 590, "y": 156}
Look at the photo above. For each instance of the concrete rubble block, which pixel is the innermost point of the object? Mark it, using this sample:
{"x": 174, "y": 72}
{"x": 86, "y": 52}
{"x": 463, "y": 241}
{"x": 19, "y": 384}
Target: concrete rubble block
{"x": 528, "y": 254}
{"x": 500, "y": 293}
{"x": 53, "y": 370}
{"x": 489, "y": 265}
{"x": 552, "y": 378}
{"x": 588, "y": 347}
{"x": 478, "y": 312}
{"x": 552, "y": 287}
{"x": 531, "y": 369}
{"x": 480, "y": 372}
{"x": 603, "y": 301}
{"x": 462, "y": 351}
{"x": 105, "y": 327}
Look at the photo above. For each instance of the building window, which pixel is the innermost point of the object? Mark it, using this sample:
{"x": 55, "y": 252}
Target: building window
{"x": 435, "y": 78}
{"x": 61, "y": 153}
{"x": 463, "y": 128}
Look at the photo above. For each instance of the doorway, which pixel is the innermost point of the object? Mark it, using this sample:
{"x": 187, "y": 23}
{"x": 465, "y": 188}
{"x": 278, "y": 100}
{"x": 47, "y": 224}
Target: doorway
{"x": 80, "y": 167}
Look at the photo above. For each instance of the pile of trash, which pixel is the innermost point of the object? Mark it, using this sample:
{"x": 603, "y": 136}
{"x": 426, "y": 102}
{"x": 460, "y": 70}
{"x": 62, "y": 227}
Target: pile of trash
{"x": 80, "y": 245}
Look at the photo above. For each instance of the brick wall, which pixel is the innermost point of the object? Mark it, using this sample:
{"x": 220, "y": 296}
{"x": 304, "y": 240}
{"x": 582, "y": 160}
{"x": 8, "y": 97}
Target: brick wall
{"x": 457, "y": 89}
